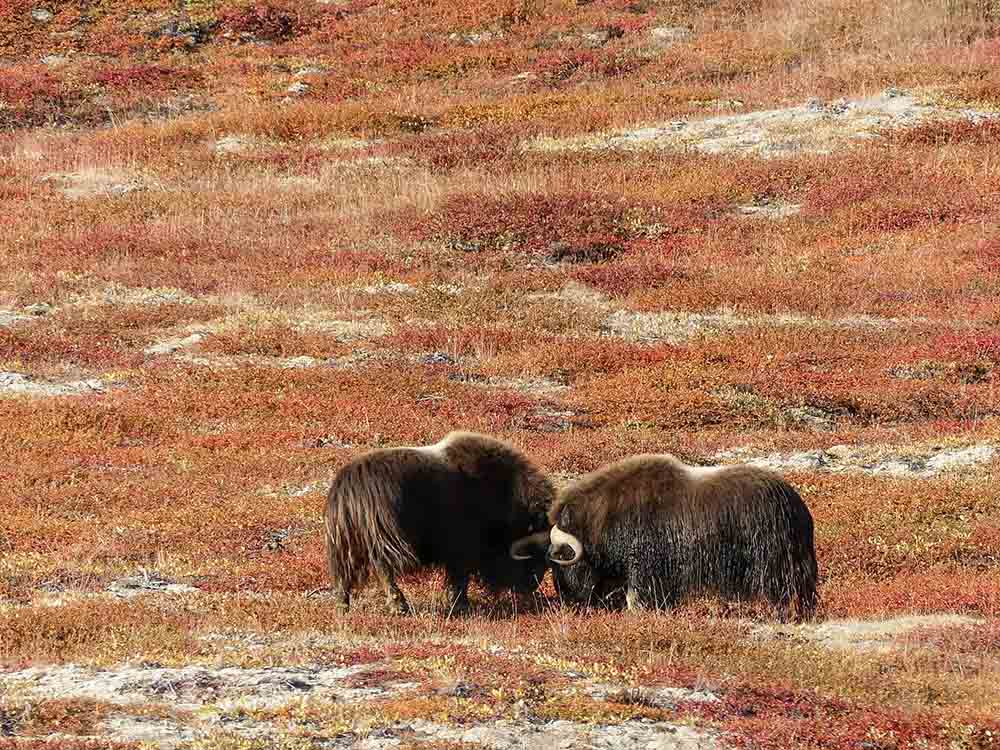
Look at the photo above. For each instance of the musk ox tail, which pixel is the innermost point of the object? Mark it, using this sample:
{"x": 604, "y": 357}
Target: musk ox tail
{"x": 363, "y": 533}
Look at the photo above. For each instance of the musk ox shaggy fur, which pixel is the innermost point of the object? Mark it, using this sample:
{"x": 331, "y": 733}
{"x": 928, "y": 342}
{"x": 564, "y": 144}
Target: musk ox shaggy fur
{"x": 471, "y": 504}
{"x": 660, "y": 529}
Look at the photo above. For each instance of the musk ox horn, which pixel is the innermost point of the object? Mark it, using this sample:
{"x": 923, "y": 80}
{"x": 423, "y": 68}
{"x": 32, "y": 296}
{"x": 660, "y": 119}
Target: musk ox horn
{"x": 560, "y": 538}
{"x": 532, "y": 540}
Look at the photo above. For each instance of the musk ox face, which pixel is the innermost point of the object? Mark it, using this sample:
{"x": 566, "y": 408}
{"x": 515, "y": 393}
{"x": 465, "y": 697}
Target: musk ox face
{"x": 520, "y": 564}
{"x": 575, "y": 583}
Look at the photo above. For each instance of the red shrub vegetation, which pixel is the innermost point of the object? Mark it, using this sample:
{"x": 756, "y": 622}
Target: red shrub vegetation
{"x": 966, "y": 348}
{"x": 34, "y": 96}
{"x": 484, "y": 147}
{"x": 578, "y": 359}
{"x": 145, "y": 77}
{"x": 987, "y": 255}
{"x": 267, "y": 20}
{"x": 275, "y": 341}
{"x": 650, "y": 265}
{"x": 919, "y": 592}
{"x": 948, "y": 132}
{"x": 981, "y": 641}
{"x": 581, "y": 227}
{"x": 881, "y": 192}
{"x": 776, "y": 719}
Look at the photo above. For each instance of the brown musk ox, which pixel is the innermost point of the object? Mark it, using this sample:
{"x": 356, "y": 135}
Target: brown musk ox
{"x": 470, "y": 503}
{"x": 660, "y": 530}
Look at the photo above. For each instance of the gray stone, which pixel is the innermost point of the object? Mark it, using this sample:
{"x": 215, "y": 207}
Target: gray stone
{"x": 666, "y": 36}
{"x": 38, "y": 308}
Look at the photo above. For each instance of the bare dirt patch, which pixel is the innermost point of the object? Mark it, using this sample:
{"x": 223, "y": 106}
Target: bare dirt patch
{"x": 205, "y": 702}
{"x": 10, "y": 317}
{"x": 575, "y": 293}
{"x": 775, "y": 209}
{"x": 302, "y": 362}
{"x": 539, "y": 386}
{"x": 120, "y": 294}
{"x": 147, "y": 583}
{"x": 19, "y": 384}
{"x": 659, "y": 697}
{"x": 508, "y": 734}
{"x": 354, "y": 328}
{"x": 906, "y": 462}
{"x": 95, "y": 182}
{"x": 171, "y": 345}
{"x": 859, "y": 635}
{"x": 813, "y": 127}
{"x": 191, "y": 687}
{"x": 676, "y": 327}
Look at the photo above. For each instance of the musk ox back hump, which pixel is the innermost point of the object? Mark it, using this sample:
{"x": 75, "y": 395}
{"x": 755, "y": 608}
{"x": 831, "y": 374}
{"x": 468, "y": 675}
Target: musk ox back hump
{"x": 506, "y": 482}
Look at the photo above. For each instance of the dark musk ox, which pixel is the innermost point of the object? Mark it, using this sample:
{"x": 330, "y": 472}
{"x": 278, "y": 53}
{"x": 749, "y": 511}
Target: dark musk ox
{"x": 660, "y": 529}
{"x": 471, "y": 504}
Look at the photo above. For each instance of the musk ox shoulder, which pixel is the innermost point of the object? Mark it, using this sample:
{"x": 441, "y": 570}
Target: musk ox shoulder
{"x": 660, "y": 530}
{"x": 471, "y": 504}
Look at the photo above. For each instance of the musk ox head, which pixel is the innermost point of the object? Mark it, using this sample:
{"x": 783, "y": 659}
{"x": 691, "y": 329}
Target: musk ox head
{"x": 571, "y": 569}
{"x": 514, "y": 496}
{"x": 519, "y": 562}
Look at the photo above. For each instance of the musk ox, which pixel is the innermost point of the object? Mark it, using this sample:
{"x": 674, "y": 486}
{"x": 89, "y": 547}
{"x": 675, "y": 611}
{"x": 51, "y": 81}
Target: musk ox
{"x": 660, "y": 529}
{"x": 471, "y": 504}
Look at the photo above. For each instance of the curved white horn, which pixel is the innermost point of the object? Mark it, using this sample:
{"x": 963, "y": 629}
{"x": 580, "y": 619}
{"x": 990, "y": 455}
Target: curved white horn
{"x": 538, "y": 538}
{"x": 559, "y": 538}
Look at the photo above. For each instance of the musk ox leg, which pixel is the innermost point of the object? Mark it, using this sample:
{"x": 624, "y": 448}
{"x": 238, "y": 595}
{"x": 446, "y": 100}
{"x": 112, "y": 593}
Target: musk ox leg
{"x": 644, "y": 591}
{"x": 393, "y": 596}
{"x": 781, "y": 602}
{"x": 342, "y": 597}
{"x": 790, "y": 599}
{"x": 637, "y": 591}
{"x": 458, "y": 585}
{"x": 793, "y": 602}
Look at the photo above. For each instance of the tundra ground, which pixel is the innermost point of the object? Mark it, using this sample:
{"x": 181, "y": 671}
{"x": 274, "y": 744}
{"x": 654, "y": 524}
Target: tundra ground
{"x": 243, "y": 241}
